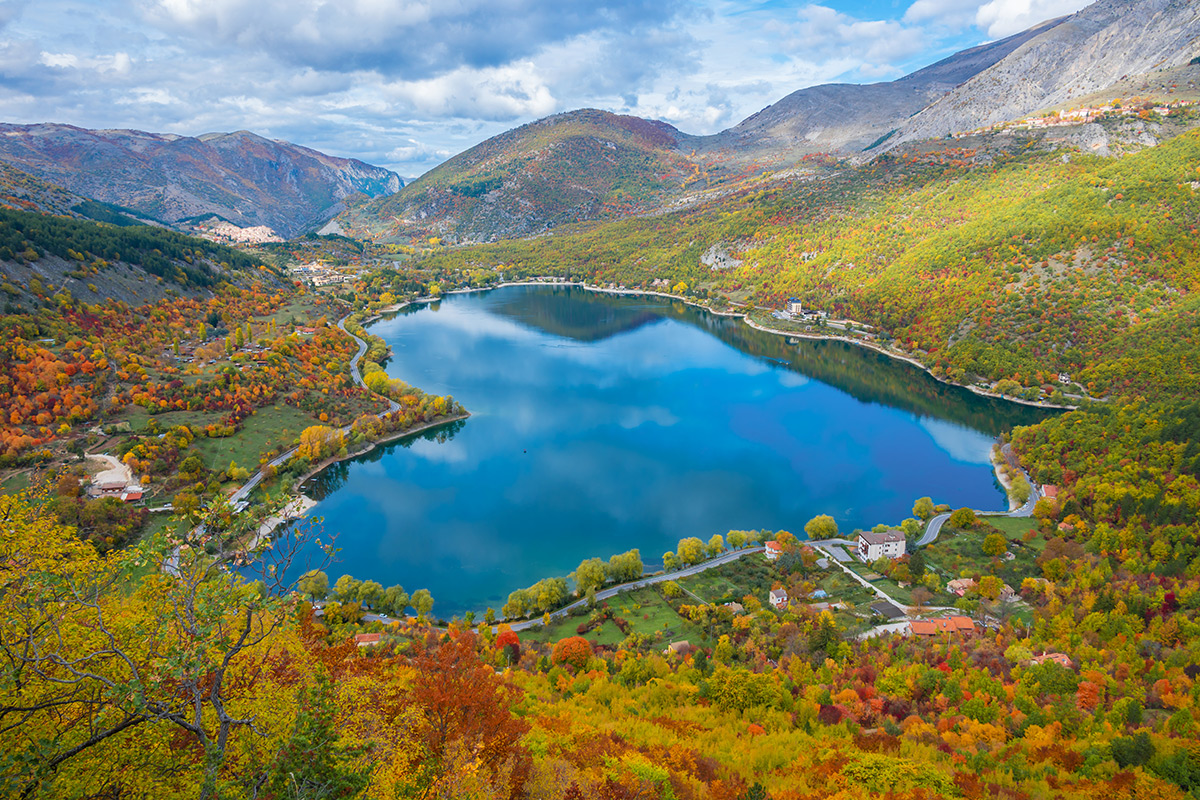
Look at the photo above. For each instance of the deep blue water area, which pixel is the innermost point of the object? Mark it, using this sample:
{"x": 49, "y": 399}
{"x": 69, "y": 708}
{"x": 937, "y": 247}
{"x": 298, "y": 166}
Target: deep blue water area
{"x": 603, "y": 423}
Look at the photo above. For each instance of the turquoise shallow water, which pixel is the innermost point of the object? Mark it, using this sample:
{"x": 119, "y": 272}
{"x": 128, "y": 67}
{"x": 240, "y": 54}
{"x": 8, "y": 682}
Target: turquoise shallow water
{"x": 601, "y": 424}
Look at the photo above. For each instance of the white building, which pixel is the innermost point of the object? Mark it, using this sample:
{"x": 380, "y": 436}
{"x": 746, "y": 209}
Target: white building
{"x": 778, "y": 598}
{"x": 774, "y": 550}
{"x": 794, "y": 306}
{"x": 872, "y": 546}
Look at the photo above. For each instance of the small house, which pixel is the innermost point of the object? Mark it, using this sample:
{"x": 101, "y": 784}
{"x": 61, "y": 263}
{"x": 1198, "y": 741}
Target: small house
{"x": 1050, "y": 491}
{"x": 774, "y": 550}
{"x": 367, "y": 639}
{"x": 778, "y": 598}
{"x": 131, "y": 495}
{"x": 873, "y": 546}
{"x": 680, "y": 648}
{"x": 1056, "y": 658}
{"x": 736, "y": 608}
{"x": 960, "y": 586}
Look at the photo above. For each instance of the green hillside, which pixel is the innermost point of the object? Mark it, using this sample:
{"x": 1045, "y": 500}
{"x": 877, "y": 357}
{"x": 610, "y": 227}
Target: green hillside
{"x": 571, "y": 167}
{"x": 1015, "y": 266}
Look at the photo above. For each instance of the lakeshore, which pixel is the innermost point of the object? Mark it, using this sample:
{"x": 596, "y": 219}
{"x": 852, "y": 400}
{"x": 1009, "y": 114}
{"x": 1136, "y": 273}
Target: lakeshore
{"x": 632, "y": 424}
{"x": 745, "y": 317}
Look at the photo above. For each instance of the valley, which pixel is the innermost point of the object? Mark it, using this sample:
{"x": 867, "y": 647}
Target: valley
{"x": 851, "y": 450}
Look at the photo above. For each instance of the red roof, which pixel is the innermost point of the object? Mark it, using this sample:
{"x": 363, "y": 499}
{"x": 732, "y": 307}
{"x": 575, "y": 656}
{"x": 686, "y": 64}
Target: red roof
{"x": 774, "y": 547}
{"x": 364, "y": 639}
{"x": 1050, "y": 490}
{"x": 931, "y": 627}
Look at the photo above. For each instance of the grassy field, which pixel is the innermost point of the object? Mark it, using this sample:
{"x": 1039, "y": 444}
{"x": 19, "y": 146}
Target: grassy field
{"x": 734, "y": 580}
{"x": 17, "y": 482}
{"x": 646, "y": 610}
{"x": 1014, "y": 529}
{"x": 138, "y": 418}
{"x": 961, "y": 552}
{"x": 272, "y": 426}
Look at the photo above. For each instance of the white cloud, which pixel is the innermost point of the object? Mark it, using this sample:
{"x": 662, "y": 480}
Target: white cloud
{"x": 503, "y": 93}
{"x": 956, "y": 14}
{"x": 825, "y": 32}
{"x": 1005, "y": 17}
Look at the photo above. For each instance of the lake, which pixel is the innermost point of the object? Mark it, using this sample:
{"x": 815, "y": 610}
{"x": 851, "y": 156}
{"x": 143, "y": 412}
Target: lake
{"x": 603, "y": 423}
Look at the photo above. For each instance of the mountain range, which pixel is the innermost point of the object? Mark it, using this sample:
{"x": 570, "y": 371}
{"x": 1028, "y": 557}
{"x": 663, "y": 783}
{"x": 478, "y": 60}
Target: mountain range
{"x": 594, "y": 165}
{"x": 587, "y": 165}
{"x": 240, "y": 177}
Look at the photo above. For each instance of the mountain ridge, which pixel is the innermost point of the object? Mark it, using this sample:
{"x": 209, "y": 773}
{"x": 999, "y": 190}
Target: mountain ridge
{"x": 241, "y": 176}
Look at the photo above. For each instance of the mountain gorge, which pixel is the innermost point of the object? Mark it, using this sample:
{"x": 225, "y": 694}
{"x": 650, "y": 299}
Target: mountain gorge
{"x": 241, "y": 177}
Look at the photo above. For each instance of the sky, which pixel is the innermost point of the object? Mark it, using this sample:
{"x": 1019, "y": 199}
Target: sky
{"x": 406, "y": 84}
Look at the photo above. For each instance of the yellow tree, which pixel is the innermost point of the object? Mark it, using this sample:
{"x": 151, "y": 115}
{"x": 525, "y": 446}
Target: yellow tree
{"x": 169, "y": 677}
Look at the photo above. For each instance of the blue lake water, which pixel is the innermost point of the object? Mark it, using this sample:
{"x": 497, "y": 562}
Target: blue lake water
{"x": 601, "y": 424}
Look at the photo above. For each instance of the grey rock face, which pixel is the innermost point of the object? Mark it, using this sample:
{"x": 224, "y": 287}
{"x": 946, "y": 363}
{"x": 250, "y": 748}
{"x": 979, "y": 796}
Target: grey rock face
{"x": 1088, "y": 51}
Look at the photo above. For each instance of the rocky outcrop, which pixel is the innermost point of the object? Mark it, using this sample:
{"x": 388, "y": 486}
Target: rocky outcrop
{"x": 848, "y": 118}
{"x": 240, "y": 177}
{"x": 1093, "y": 49}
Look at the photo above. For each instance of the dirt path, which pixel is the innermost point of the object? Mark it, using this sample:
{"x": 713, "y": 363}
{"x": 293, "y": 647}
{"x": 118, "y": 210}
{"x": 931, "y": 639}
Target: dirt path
{"x": 116, "y": 472}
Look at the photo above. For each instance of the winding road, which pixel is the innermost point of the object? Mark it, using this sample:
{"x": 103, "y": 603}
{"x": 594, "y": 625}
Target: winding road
{"x": 604, "y": 594}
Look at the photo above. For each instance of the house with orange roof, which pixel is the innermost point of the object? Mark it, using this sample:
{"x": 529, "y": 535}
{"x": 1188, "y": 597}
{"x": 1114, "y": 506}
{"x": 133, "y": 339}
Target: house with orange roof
{"x": 367, "y": 639}
{"x": 1057, "y": 658}
{"x": 774, "y": 550}
{"x": 933, "y": 627}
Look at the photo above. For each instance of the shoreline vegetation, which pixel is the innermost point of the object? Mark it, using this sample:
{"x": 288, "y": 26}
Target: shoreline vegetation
{"x": 745, "y": 317}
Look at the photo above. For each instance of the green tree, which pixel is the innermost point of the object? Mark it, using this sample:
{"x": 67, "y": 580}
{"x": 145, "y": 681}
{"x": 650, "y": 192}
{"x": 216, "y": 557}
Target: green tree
{"x": 626, "y": 566}
{"x": 923, "y": 508}
{"x": 670, "y": 561}
{"x": 370, "y": 594}
{"x": 395, "y": 601}
{"x": 422, "y": 601}
{"x": 994, "y": 544}
{"x": 916, "y": 565}
{"x": 314, "y": 584}
{"x": 315, "y": 763}
{"x": 590, "y": 574}
{"x": 962, "y": 518}
{"x": 821, "y": 526}
{"x": 737, "y": 539}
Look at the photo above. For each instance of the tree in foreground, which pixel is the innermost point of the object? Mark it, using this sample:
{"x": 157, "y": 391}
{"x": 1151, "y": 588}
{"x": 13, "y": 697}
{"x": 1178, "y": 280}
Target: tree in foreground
{"x": 173, "y": 664}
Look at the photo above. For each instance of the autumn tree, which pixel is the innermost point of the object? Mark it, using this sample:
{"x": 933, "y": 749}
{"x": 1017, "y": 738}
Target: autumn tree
{"x": 994, "y": 544}
{"x": 590, "y": 574}
{"x": 464, "y": 724}
{"x": 690, "y": 550}
{"x": 574, "y": 650}
{"x": 962, "y": 518}
{"x": 923, "y": 508}
{"x": 821, "y": 526}
{"x": 171, "y": 657}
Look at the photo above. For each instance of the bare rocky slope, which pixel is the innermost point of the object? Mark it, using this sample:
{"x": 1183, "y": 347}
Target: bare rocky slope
{"x": 1087, "y": 52}
{"x": 241, "y": 177}
{"x": 847, "y": 118}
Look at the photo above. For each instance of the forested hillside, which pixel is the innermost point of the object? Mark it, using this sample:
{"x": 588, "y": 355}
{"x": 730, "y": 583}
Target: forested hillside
{"x": 1003, "y": 265}
{"x": 566, "y": 168}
